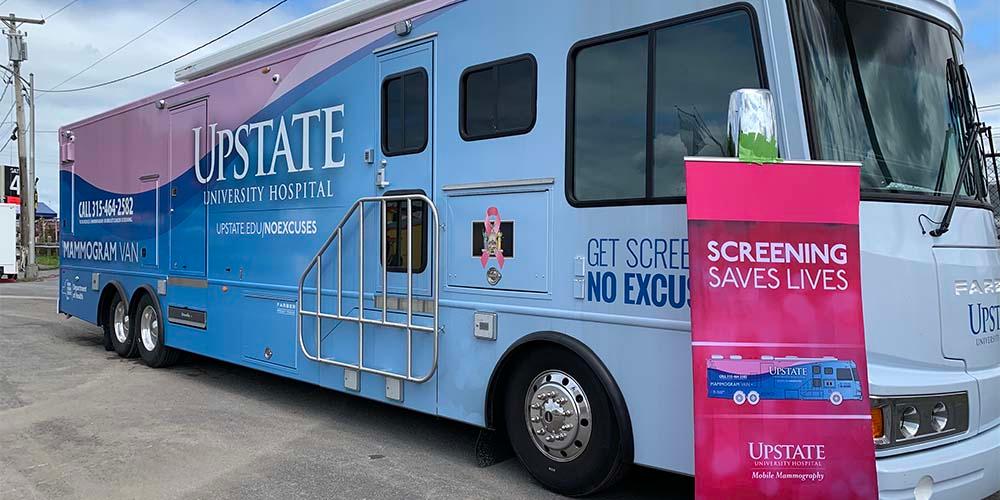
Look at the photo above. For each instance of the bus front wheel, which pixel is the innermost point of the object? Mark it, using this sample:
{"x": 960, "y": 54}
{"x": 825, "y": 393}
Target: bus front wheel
{"x": 561, "y": 423}
{"x": 836, "y": 398}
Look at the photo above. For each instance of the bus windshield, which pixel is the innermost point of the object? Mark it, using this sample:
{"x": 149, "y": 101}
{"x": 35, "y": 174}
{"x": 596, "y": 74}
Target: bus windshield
{"x": 877, "y": 91}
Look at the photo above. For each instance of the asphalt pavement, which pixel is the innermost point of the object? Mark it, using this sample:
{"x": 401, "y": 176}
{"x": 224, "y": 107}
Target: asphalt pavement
{"x": 79, "y": 422}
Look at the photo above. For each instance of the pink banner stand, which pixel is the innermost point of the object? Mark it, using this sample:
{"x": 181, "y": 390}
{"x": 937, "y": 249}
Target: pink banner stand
{"x": 780, "y": 377}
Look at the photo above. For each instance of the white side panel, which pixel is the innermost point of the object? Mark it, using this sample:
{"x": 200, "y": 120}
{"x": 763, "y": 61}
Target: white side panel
{"x": 8, "y": 238}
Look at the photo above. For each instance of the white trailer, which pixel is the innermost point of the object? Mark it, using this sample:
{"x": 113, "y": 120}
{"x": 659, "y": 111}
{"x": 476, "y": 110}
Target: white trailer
{"x": 8, "y": 240}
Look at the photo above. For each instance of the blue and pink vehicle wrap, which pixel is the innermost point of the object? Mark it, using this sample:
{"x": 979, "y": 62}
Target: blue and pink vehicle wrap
{"x": 214, "y": 196}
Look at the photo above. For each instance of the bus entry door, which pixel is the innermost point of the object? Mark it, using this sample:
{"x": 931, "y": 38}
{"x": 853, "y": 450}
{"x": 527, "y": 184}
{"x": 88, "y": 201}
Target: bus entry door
{"x": 401, "y": 237}
{"x": 188, "y": 144}
{"x": 404, "y": 162}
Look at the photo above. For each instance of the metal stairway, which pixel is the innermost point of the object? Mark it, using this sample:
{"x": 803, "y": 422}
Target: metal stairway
{"x": 409, "y": 327}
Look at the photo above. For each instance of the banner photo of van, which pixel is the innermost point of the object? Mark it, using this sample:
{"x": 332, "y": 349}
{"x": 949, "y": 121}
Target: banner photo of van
{"x": 775, "y": 268}
{"x": 791, "y": 378}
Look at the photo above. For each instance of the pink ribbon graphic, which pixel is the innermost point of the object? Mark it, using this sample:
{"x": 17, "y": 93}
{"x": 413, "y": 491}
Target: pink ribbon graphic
{"x": 491, "y": 229}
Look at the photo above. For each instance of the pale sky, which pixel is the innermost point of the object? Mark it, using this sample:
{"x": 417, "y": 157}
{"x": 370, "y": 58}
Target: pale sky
{"x": 88, "y": 30}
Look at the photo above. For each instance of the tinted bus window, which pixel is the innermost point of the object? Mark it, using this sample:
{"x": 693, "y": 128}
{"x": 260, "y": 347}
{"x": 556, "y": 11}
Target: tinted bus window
{"x": 641, "y": 103}
{"x": 498, "y": 98}
{"x": 698, "y": 65}
{"x": 844, "y": 374}
{"x": 404, "y": 113}
{"x": 610, "y": 121}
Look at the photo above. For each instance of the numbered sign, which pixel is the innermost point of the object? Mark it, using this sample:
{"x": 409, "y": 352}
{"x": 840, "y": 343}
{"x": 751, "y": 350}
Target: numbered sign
{"x": 11, "y": 184}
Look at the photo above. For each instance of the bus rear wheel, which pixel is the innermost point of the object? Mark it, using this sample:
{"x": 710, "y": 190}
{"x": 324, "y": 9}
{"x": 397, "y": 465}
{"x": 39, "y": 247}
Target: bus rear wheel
{"x": 561, "y": 423}
{"x": 118, "y": 328}
{"x": 149, "y": 329}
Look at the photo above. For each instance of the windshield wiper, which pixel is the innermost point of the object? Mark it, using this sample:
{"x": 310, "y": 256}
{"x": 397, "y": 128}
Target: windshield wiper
{"x": 859, "y": 87}
{"x": 963, "y": 103}
{"x": 970, "y": 146}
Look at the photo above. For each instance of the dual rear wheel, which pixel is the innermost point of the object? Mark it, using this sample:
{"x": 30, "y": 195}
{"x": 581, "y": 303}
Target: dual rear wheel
{"x": 118, "y": 328}
{"x": 140, "y": 334}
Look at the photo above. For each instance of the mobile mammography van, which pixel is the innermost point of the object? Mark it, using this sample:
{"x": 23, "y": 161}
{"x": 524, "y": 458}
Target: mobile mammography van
{"x": 476, "y": 209}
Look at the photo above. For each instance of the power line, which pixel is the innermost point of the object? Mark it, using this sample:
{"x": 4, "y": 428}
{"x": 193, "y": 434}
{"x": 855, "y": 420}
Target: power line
{"x": 113, "y": 52}
{"x": 8, "y": 114}
{"x": 158, "y": 66}
{"x": 71, "y": 2}
{"x": 5, "y": 88}
{"x": 11, "y": 137}
{"x": 989, "y": 107}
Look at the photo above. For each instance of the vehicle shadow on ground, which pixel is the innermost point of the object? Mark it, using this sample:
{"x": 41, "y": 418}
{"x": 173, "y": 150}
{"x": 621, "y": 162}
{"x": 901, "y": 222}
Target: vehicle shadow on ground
{"x": 384, "y": 423}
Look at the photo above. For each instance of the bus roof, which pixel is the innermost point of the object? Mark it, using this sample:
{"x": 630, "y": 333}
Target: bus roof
{"x": 321, "y": 22}
{"x": 944, "y": 10}
{"x": 350, "y": 12}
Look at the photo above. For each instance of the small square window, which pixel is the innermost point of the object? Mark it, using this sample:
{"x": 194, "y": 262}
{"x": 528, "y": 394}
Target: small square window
{"x": 404, "y": 112}
{"x": 498, "y": 98}
{"x": 396, "y": 239}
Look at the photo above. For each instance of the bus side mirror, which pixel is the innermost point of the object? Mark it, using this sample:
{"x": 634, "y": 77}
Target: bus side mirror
{"x": 752, "y": 130}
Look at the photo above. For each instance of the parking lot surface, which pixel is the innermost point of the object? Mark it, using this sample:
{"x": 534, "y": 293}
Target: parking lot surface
{"x": 79, "y": 422}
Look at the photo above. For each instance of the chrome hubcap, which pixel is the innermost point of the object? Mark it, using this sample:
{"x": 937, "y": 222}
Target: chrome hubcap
{"x": 557, "y": 414}
{"x": 149, "y": 328}
{"x": 121, "y": 322}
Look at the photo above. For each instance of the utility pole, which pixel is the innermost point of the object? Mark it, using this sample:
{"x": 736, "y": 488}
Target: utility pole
{"x": 33, "y": 261}
{"x": 18, "y": 50}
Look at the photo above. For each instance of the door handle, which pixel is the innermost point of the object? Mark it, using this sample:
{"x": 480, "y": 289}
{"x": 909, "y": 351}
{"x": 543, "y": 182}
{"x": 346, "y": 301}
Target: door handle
{"x": 380, "y": 181}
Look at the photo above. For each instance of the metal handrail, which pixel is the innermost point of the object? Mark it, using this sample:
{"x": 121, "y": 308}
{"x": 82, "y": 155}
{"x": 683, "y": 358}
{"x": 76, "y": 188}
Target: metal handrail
{"x": 316, "y": 263}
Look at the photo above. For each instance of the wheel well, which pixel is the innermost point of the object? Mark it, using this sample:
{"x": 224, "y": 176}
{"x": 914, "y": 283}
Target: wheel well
{"x": 107, "y": 294}
{"x": 528, "y": 343}
{"x": 143, "y": 290}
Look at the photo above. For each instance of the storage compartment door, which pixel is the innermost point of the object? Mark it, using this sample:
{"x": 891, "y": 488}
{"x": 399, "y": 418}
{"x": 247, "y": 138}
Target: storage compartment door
{"x": 268, "y": 330}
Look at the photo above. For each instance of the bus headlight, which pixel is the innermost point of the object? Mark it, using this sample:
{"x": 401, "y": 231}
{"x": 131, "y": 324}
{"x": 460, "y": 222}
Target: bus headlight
{"x": 903, "y": 420}
{"x": 939, "y": 416}
{"x": 909, "y": 422}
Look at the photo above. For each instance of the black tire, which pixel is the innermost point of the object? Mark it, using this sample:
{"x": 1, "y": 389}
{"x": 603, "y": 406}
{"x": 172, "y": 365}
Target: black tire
{"x": 147, "y": 315}
{"x": 607, "y": 455}
{"x": 108, "y": 345}
{"x": 125, "y": 346}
